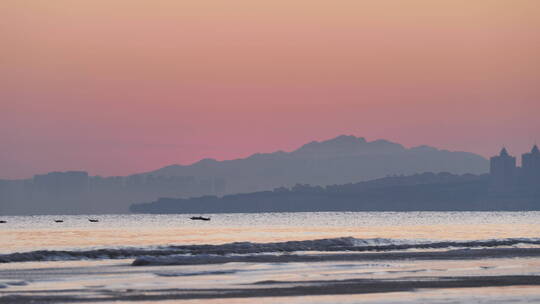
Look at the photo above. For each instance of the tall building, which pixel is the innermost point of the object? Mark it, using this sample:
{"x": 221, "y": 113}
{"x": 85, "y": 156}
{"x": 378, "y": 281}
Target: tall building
{"x": 503, "y": 171}
{"x": 530, "y": 167}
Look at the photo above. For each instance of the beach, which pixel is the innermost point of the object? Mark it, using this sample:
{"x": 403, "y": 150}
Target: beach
{"x": 330, "y": 257}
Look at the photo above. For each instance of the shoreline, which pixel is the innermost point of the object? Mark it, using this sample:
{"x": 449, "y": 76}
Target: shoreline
{"x": 304, "y": 288}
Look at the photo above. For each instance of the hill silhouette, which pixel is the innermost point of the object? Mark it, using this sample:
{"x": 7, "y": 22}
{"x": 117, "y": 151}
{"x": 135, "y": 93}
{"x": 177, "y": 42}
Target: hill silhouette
{"x": 419, "y": 192}
{"x": 340, "y": 160}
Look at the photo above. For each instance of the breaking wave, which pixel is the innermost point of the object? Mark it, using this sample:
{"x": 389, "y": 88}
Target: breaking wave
{"x": 219, "y": 252}
{"x": 455, "y": 254}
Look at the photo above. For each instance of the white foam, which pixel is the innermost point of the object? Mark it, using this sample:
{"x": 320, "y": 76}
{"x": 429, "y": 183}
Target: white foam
{"x": 321, "y": 245}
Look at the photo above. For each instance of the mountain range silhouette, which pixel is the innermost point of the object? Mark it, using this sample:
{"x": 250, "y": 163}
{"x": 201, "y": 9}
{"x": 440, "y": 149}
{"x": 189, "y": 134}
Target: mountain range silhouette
{"x": 339, "y": 160}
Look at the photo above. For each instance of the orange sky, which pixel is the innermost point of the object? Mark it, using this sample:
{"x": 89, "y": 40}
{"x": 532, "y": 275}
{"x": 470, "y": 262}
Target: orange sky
{"x": 118, "y": 87}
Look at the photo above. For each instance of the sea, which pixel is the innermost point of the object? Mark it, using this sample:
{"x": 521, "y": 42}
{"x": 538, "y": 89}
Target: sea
{"x": 309, "y": 257}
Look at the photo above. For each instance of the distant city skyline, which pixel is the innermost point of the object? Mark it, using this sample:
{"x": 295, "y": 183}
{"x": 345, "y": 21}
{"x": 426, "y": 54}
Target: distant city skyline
{"x": 318, "y": 166}
{"x": 122, "y": 86}
{"x": 339, "y": 160}
{"x": 133, "y": 170}
{"x": 506, "y": 174}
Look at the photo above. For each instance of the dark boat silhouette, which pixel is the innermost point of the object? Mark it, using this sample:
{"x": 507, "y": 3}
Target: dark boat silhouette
{"x": 58, "y": 221}
{"x": 93, "y": 220}
{"x": 3, "y": 222}
{"x": 200, "y": 218}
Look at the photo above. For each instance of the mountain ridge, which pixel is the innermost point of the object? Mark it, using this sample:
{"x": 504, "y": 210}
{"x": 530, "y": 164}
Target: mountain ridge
{"x": 423, "y": 148}
{"x": 419, "y": 192}
{"x": 342, "y": 159}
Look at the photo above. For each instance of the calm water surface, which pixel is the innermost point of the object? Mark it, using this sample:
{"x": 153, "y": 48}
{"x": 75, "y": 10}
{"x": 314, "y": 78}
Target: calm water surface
{"x": 25, "y": 233}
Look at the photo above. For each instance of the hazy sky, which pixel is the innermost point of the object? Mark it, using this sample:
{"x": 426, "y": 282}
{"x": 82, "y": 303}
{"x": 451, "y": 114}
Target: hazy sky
{"x": 117, "y": 87}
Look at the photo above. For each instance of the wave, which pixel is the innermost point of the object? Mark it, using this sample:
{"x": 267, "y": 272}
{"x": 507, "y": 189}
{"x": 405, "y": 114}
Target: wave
{"x": 456, "y": 254}
{"x": 238, "y": 248}
{"x": 204, "y": 259}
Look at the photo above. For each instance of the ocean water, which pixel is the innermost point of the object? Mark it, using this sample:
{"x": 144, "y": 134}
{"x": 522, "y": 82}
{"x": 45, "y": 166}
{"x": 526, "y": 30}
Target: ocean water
{"x": 326, "y": 257}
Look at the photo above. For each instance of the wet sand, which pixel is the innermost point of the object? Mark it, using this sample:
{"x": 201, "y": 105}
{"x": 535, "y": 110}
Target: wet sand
{"x": 274, "y": 289}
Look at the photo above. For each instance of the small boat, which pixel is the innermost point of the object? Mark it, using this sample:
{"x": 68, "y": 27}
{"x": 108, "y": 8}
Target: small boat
{"x": 3, "y": 222}
{"x": 200, "y": 218}
{"x": 93, "y": 220}
{"x": 58, "y": 221}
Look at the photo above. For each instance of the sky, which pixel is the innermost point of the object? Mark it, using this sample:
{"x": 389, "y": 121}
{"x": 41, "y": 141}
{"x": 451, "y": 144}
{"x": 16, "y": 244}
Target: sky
{"x": 116, "y": 87}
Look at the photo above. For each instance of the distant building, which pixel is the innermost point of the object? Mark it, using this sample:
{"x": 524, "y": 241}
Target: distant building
{"x": 507, "y": 177}
{"x": 530, "y": 167}
{"x": 503, "y": 171}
